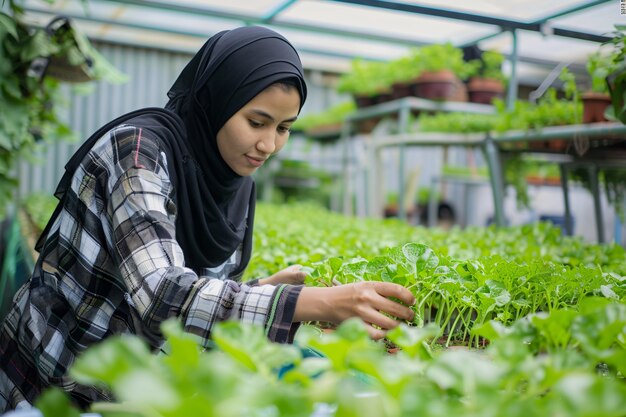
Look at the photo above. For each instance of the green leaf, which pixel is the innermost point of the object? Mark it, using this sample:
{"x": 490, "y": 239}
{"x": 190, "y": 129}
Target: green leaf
{"x": 554, "y": 328}
{"x": 248, "y": 345}
{"x": 7, "y": 25}
{"x": 108, "y": 362}
{"x": 55, "y": 402}
{"x": 464, "y": 372}
{"x": 38, "y": 45}
{"x": 156, "y": 390}
{"x": 413, "y": 340}
{"x": 581, "y": 394}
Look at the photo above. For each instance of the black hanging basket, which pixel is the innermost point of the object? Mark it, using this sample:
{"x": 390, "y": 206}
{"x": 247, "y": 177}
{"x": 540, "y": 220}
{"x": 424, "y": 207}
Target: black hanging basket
{"x": 75, "y": 65}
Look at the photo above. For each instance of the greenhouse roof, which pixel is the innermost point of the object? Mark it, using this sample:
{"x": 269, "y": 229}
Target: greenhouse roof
{"x": 329, "y": 34}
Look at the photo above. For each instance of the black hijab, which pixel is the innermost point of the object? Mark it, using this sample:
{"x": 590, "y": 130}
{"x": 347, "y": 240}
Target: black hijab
{"x": 215, "y": 206}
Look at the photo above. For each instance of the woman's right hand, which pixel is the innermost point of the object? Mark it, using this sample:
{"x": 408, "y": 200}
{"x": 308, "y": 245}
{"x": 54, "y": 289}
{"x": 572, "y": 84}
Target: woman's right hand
{"x": 367, "y": 300}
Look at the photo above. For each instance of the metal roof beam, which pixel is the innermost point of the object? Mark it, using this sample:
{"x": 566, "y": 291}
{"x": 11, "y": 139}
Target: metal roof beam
{"x": 580, "y": 35}
{"x": 445, "y": 13}
{"x": 277, "y": 10}
{"x": 570, "y": 10}
{"x": 136, "y": 25}
{"x": 247, "y": 19}
{"x": 202, "y": 36}
{"x": 506, "y": 24}
{"x": 559, "y": 31}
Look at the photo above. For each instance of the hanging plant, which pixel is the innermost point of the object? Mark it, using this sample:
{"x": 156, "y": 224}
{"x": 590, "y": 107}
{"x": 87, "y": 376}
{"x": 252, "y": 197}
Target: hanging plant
{"x": 33, "y": 62}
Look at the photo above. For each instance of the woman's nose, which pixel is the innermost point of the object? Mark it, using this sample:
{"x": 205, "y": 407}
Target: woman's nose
{"x": 267, "y": 144}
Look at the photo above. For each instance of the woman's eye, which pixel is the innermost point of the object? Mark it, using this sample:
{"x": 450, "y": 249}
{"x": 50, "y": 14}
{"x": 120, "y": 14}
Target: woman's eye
{"x": 284, "y": 129}
{"x": 255, "y": 123}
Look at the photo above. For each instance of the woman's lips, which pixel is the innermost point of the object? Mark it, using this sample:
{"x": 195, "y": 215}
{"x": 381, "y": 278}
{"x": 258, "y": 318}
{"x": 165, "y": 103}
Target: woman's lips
{"x": 255, "y": 162}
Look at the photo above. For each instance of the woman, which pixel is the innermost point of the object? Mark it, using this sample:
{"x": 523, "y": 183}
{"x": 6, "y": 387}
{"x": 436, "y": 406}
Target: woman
{"x": 155, "y": 221}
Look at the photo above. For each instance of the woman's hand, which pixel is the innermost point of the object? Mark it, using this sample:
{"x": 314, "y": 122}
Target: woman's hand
{"x": 291, "y": 275}
{"x": 366, "y": 300}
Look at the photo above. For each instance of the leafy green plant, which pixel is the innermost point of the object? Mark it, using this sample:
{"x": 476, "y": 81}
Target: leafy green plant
{"x": 489, "y": 66}
{"x": 569, "y": 85}
{"x": 438, "y": 57}
{"x": 405, "y": 68}
{"x": 365, "y": 78}
{"x": 616, "y": 79}
{"x": 599, "y": 66}
{"x": 286, "y": 240}
{"x": 546, "y": 311}
{"x": 333, "y": 115}
{"x": 457, "y": 295}
{"x": 518, "y": 373}
{"x": 455, "y": 122}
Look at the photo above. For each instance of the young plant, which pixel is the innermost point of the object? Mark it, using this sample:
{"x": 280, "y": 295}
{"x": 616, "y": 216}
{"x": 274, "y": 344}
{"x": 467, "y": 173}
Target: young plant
{"x": 489, "y": 66}
{"x": 599, "y": 66}
{"x": 438, "y": 57}
{"x": 365, "y": 78}
{"x": 616, "y": 79}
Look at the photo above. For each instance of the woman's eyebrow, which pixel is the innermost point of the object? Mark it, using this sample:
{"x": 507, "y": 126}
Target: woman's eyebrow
{"x": 268, "y": 116}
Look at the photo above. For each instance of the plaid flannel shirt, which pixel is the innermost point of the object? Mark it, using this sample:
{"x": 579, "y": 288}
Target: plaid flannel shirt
{"x": 111, "y": 265}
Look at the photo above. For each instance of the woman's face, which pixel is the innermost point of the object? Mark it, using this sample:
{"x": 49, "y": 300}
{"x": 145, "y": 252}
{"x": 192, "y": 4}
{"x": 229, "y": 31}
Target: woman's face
{"x": 258, "y": 129}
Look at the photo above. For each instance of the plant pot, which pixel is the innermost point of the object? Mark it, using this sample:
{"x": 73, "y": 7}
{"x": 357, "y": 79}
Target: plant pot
{"x": 363, "y": 100}
{"x": 557, "y": 145}
{"x": 367, "y": 125}
{"x": 538, "y": 180}
{"x": 401, "y": 90}
{"x": 484, "y": 90}
{"x": 594, "y": 106}
{"x": 382, "y": 97}
{"x": 440, "y": 85}
{"x": 390, "y": 210}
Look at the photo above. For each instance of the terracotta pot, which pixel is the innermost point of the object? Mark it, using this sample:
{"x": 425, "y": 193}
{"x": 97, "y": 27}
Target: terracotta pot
{"x": 538, "y": 144}
{"x": 367, "y": 125}
{"x": 440, "y": 85}
{"x": 484, "y": 90}
{"x": 557, "y": 144}
{"x": 401, "y": 90}
{"x": 390, "y": 210}
{"x": 383, "y": 97}
{"x": 594, "y": 105}
{"x": 537, "y": 180}
{"x": 362, "y": 100}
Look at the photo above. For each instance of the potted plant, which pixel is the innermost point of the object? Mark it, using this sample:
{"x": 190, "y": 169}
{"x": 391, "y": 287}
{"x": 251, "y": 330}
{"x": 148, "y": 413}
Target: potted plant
{"x": 403, "y": 72}
{"x": 616, "y": 79}
{"x": 441, "y": 70}
{"x": 367, "y": 82}
{"x": 597, "y": 100}
{"x": 325, "y": 125}
{"x": 488, "y": 83}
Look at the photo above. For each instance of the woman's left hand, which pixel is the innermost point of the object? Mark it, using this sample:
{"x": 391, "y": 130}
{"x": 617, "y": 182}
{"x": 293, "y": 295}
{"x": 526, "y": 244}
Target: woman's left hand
{"x": 291, "y": 275}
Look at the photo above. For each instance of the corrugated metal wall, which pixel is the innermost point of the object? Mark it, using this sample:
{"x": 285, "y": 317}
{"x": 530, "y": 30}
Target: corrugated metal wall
{"x": 150, "y": 75}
